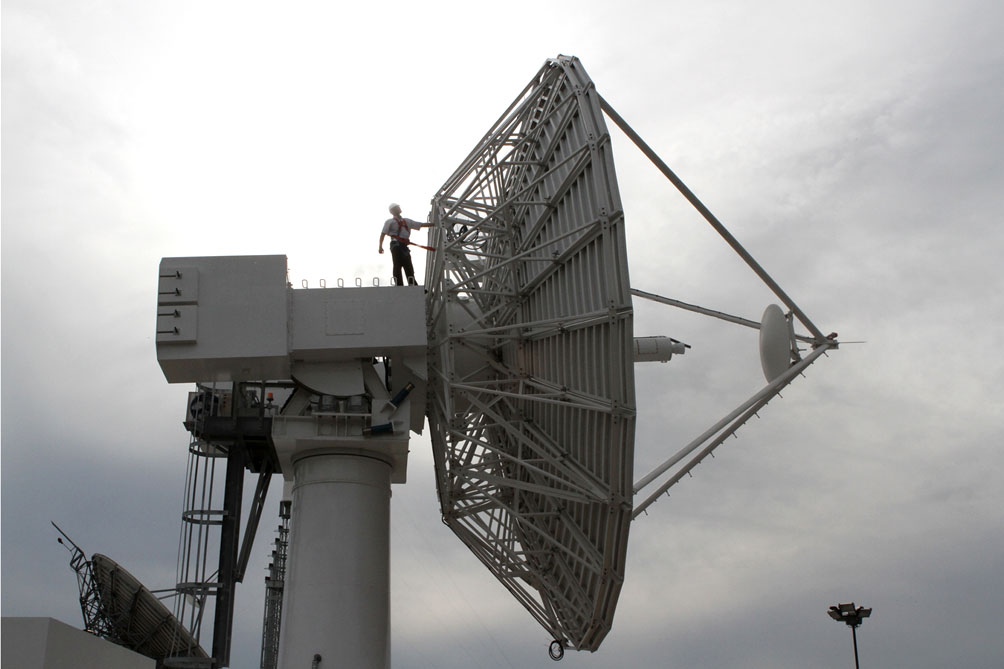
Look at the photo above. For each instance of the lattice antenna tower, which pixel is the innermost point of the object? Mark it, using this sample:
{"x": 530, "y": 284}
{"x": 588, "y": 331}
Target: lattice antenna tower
{"x": 274, "y": 588}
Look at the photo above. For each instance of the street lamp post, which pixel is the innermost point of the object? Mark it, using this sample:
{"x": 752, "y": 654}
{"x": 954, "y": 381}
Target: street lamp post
{"x": 847, "y": 613}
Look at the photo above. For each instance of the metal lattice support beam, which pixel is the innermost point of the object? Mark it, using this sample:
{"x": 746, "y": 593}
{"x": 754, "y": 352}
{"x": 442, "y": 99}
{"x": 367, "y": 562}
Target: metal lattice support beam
{"x": 274, "y": 588}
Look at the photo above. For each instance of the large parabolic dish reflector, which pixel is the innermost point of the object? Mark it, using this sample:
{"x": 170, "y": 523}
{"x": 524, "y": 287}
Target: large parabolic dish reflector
{"x": 532, "y": 413}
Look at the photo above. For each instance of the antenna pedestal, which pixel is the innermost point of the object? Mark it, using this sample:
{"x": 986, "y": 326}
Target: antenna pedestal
{"x": 338, "y": 573}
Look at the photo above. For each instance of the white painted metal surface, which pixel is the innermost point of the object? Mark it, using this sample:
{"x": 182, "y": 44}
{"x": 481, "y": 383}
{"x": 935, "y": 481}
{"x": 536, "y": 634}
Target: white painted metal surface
{"x": 222, "y": 318}
{"x": 235, "y": 318}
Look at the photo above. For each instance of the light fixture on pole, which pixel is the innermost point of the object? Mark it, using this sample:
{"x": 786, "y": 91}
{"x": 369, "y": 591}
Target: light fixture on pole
{"x": 852, "y": 616}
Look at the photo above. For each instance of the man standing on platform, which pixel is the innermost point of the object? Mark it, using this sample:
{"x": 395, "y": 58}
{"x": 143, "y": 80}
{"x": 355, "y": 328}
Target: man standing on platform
{"x": 399, "y": 228}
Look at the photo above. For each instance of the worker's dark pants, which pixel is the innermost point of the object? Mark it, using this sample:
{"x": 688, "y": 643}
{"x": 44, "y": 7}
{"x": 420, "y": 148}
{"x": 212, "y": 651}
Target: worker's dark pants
{"x": 401, "y": 255}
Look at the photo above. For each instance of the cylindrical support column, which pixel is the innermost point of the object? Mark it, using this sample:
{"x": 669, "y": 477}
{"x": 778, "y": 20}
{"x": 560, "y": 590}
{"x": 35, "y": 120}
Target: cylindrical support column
{"x": 337, "y": 591}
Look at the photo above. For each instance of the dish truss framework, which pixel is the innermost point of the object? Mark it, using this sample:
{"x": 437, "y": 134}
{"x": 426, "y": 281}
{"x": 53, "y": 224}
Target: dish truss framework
{"x": 531, "y": 355}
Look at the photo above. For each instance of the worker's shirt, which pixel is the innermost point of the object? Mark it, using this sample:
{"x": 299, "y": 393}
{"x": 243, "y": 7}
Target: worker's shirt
{"x": 400, "y": 230}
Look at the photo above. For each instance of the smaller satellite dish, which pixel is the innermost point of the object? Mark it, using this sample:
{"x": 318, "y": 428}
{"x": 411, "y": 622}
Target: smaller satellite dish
{"x": 776, "y": 342}
{"x": 138, "y": 620}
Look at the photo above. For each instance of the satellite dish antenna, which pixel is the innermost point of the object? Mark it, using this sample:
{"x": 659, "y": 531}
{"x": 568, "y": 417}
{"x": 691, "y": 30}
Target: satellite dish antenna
{"x": 531, "y": 363}
{"x": 118, "y": 608}
{"x": 520, "y": 352}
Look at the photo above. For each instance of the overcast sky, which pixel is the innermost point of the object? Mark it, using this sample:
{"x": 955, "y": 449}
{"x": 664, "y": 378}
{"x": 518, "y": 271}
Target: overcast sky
{"x": 855, "y": 148}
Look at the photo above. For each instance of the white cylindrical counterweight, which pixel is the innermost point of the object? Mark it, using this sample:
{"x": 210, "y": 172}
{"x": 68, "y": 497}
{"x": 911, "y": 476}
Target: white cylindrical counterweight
{"x": 337, "y": 591}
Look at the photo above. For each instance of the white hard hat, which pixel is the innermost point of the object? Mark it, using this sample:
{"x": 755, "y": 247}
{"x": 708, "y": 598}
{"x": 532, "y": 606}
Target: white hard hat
{"x": 394, "y": 208}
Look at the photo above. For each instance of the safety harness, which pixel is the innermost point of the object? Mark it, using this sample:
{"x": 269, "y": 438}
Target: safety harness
{"x": 405, "y": 241}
